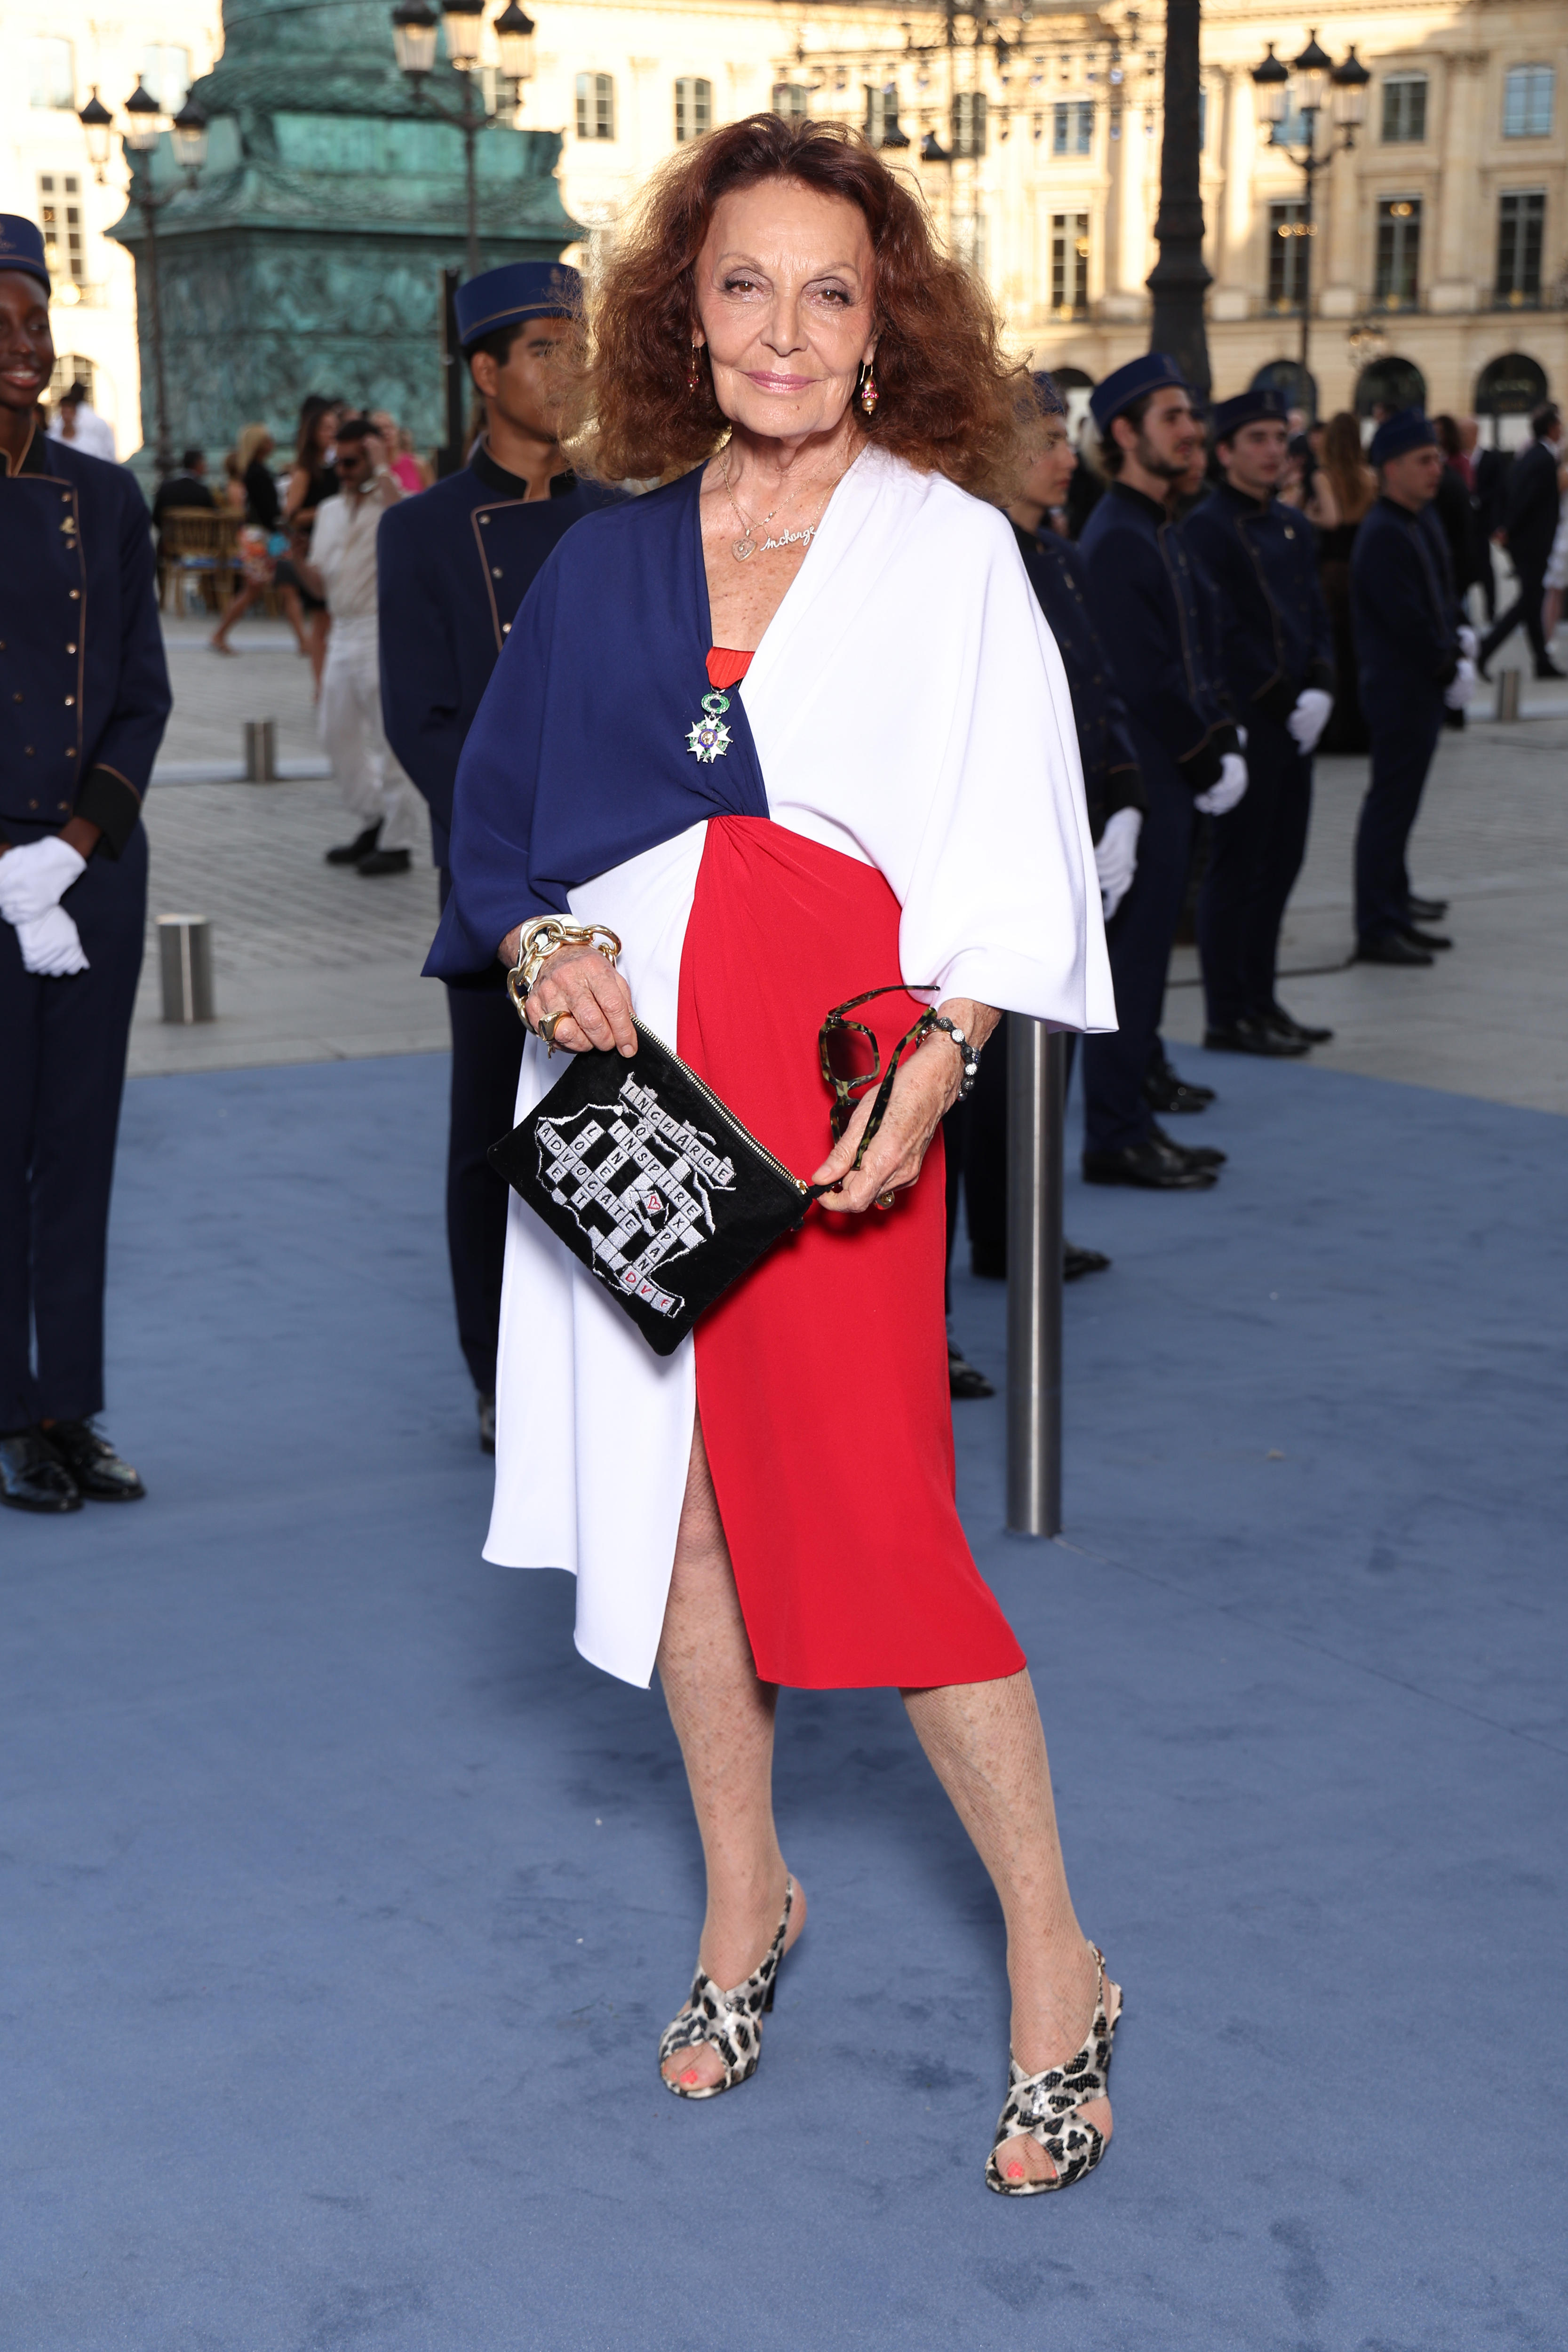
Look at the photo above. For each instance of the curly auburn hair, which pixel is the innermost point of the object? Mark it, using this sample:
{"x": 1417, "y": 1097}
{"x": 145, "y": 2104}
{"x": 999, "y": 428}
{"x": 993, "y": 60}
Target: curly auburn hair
{"x": 951, "y": 401}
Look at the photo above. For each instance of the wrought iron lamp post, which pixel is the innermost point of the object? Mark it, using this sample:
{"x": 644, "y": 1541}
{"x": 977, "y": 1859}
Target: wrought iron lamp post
{"x": 415, "y": 24}
{"x": 145, "y": 125}
{"x": 1296, "y": 93}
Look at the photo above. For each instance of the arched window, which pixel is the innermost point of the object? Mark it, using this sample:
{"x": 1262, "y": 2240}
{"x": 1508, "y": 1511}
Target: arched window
{"x": 1528, "y": 95}
{"x": 1390, "y": 383}
{"x": 1290, "y": 380}
{"x": 1511, "y": 386}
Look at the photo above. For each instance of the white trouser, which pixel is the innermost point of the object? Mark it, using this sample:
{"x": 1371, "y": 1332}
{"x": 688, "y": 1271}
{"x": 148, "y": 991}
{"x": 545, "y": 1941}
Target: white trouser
{"x": 373, "y": 786}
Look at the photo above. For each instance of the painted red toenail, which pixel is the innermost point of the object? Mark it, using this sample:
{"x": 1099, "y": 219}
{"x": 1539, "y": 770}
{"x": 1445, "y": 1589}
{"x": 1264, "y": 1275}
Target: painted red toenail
{"x": 1014, "y": 2172}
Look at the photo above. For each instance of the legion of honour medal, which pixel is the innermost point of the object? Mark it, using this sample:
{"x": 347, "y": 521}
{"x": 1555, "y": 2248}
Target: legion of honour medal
{"x": 709, "y": 739}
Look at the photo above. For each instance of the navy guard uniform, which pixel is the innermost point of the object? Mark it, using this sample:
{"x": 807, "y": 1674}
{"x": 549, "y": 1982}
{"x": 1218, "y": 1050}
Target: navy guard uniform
{"x": 1414, "y": 658}
{"x": 1146, "y": 603}
{"x": 454, "y": 565}
{"x": 1111, "y": 783}
{"x": 1276, "y": 662}
{"x": 84, "y": 695}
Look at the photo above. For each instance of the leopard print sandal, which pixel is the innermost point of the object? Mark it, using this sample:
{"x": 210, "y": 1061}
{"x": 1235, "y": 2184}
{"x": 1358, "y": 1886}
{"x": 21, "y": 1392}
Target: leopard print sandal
{"x": 1045, "y": 2106}
{"x": 730, "y": 2022}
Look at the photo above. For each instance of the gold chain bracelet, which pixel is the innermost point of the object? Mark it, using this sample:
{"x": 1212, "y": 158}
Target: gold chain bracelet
{"x": 540, "y": 939}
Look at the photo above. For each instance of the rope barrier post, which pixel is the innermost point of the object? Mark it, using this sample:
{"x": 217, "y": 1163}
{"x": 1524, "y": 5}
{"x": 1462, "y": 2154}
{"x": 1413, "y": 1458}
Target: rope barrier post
{"x": 1036, "y": 1069}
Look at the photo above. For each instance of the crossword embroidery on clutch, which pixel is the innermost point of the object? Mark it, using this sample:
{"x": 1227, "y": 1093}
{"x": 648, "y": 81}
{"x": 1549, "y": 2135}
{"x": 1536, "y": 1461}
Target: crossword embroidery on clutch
{"x": 637, "y": 1182}
{"x": 729, "y": 2023}
{"x": 709, "y": 739}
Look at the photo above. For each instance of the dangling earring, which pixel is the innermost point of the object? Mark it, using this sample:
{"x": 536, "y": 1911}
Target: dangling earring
{"x": 868, "y": 394}
{"x": 691, "y": 369}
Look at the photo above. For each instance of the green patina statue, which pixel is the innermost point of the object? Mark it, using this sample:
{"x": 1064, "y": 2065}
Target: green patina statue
{"x": 309, "y": 256}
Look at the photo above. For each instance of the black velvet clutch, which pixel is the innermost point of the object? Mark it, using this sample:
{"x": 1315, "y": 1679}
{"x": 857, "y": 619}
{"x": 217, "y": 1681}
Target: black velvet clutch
{"x": 652, "y": 1184}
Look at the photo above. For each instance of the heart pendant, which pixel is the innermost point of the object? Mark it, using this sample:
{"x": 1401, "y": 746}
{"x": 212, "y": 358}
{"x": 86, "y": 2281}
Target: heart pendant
{"x": 743, "y": 549}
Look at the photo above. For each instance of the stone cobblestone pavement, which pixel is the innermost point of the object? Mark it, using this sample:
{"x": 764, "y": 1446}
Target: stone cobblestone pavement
{"x": 313, "y": 964}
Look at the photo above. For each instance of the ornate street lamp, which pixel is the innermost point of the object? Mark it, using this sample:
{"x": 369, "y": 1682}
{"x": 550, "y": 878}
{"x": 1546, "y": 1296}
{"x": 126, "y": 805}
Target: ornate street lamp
{"x": 415, "y": 24}
{"x": 144, "y": 126}
{"x": 1180, "y": 279}
{"x": 1290, "y": 98}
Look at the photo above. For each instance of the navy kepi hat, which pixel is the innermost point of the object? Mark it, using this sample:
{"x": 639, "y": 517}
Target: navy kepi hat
{"x": 1258, "y": 406}
{"x": 1123, "y": 386}
{"x": 1408, "y": 428}
{"x": 520, "y": 289}
{"x": 22, "y": 246}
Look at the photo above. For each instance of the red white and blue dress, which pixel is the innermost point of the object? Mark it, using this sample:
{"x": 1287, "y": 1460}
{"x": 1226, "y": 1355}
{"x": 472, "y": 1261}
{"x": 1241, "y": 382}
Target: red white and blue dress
{"x": 899, "y": 796}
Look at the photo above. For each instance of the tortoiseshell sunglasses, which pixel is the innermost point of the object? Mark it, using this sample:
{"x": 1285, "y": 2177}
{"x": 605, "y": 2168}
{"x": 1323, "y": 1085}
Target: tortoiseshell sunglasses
{"x": 852, "y": 1061}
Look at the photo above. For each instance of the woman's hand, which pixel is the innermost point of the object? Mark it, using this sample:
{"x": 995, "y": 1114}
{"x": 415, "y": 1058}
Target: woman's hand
{"x": 924, "y": 1092}
{"x": 594, "y": 1001}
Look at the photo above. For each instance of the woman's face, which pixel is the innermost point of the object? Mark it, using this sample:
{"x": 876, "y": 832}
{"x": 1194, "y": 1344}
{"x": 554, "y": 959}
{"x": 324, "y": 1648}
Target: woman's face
{"x": 784, "y": 306}
{"x": 326, "y": 431}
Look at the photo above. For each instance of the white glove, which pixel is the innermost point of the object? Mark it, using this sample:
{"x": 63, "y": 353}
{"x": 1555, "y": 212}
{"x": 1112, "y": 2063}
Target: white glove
{"x": 1222, "y": 797}
{"x": 1116, "y": 857}
{"x": 50, "y": 943}
{"x": 1470, "y": 643}
{"x": 36, "y": 876}
{"x": 1309, "y": 717}
{"x": 1459, "y": 694}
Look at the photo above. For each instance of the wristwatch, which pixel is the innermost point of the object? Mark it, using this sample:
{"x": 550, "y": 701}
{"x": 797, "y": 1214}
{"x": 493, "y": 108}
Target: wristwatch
{"x": 969, "y": 1053}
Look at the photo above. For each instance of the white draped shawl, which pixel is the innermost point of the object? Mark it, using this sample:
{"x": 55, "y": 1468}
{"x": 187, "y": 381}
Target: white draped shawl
{"x": 909, "y": 709}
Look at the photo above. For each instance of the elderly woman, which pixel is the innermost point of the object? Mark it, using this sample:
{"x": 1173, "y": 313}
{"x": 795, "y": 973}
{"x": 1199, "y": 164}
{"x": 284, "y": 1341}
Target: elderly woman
{"x": 892, "y": 795}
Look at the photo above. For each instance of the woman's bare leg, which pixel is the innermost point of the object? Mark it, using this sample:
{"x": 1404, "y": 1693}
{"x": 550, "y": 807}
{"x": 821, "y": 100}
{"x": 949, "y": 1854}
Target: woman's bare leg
{"x": 242, "y": 602}
{"x": 723, "y": 1718}
{"x": 986, "y": 1746}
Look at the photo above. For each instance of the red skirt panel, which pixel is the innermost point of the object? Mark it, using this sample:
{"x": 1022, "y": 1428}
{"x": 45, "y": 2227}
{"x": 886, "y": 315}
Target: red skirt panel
{"x": 822, "y": 1377}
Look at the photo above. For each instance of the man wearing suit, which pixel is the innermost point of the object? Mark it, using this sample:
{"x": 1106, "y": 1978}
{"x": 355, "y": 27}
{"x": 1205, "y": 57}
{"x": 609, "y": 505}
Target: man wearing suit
{"x": 1414, "y": 660}
{"x": 84, "y": 695}
{"x": 455, "y": 563}
{"x": 1530, "y": 525}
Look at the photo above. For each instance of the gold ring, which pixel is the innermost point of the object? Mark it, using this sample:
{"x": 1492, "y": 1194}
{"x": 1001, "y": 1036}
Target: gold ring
{"x": 884, "y": 1200}
{"x": 549, "y": 1026}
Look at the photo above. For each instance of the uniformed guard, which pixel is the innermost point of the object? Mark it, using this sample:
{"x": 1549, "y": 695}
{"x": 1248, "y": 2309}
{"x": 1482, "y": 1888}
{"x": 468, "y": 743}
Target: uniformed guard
{"x": 1277, "y": 664}
{"x": 1144, "y": 602}
{"x": 976, "y": 1131}
{"x": 455, "y": 565}
{"x": 84, "y": 694}
{"x": 1416, "y": 655}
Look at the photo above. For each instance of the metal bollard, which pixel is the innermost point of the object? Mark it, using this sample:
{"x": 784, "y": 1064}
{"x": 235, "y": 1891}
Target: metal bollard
{"x": 185, "y": 967}
{"x": 1507, "y": 694}
{"x": 1036, "y": 1069}
{"x": 260, "y": 751}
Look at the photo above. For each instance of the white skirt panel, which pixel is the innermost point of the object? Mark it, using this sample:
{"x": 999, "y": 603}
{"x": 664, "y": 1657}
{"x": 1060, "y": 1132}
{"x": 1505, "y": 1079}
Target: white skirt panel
{"x": 593, "y": 1430}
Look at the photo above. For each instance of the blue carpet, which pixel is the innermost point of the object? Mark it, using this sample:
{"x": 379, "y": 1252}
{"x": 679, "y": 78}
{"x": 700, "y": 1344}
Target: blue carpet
{"x": 342, "y": 1905}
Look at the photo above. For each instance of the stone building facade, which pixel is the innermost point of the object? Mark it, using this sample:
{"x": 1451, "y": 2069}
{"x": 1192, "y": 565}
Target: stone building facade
{"x": 1440, "y": 244}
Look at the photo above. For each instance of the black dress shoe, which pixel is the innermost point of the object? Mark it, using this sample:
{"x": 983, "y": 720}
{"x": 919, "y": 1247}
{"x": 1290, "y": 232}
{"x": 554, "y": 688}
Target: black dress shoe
{"x": 1162, "y": 1090}
{"x": 1076, "y": 1263}
{"x": 1197, "y": 1155}
{"x": 349, "y": 852}
{"x": 1430, "y": 941}
{"x": 963, "y": 1379}
{"x": 32, "y": 1478}
{"x": 1548, "y": 668}
{"x": 1426, "y": 910}
{"x": 1393, "y": 946}
{"x": 1285, "y": 1024}
{"x": 487, "y": 1423}
{"x": 384, "y": 861}
{"x": 1151, "y": 1166}
{"x": 93, "y": 1466}
{"x": 1248, "y": 1035}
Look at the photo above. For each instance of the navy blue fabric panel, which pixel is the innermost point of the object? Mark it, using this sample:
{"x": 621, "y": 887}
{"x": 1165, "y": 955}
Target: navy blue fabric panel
{"x": 578, "y": 759}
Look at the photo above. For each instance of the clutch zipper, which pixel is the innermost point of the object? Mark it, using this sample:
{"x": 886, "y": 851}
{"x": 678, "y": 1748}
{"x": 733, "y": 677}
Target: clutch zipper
{"x": 725, "y": 1114}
